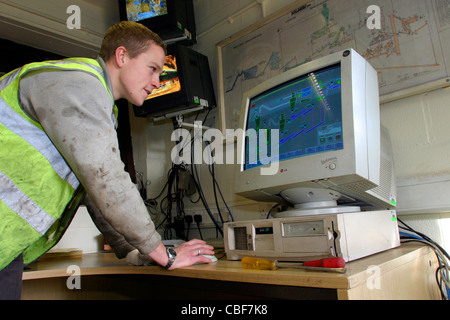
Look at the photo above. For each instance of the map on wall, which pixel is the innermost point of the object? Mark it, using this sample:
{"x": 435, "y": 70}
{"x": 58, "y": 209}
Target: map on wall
{"x": 412, "y": 46}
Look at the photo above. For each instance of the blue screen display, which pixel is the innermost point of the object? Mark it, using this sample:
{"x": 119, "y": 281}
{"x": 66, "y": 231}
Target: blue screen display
{"x": 138, "y": 10}
{"x": 307, "y": 113}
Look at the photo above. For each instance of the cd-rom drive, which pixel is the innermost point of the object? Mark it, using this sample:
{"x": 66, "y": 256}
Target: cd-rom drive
{"x": 347, "y": 235}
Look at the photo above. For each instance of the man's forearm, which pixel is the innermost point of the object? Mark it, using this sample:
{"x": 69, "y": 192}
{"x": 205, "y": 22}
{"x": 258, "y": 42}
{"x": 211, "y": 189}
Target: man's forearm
{"x": 159, "y": 255}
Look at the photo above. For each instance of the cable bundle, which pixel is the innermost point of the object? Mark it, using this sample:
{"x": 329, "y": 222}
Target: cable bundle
{"x": 442, "y": 272}
{"x": 172, "y": 205}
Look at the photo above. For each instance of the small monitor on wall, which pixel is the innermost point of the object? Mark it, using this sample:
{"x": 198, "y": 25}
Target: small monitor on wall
{"x": 169, "y": 79}
{"x": 186, "y": 84}
{"x": 142, "y": 10}
{"x": 172, "y": 20}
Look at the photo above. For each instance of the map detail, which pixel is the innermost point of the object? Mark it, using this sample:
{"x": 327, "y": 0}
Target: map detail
{"x": 411, "y": 47}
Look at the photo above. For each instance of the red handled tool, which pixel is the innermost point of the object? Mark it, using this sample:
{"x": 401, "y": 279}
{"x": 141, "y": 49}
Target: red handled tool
{"x": 328, "y": 264}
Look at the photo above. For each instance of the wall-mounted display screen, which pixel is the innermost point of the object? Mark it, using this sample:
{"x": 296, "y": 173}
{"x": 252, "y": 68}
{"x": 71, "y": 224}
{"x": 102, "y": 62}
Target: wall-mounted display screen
{"x": 138, "y": 10}
{"x": 170, "y": 80}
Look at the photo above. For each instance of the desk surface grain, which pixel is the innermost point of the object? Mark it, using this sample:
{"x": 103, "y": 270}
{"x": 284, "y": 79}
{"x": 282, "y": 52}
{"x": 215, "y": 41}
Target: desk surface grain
{"x": 223, "y": 270}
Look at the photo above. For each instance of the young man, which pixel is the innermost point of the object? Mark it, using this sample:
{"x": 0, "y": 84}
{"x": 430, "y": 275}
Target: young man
{"x": 57, "y": 139}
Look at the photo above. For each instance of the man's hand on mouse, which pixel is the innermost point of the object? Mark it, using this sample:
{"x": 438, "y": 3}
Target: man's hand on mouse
{"x": 191, "y": 252}
{"x": 187, "y": 254}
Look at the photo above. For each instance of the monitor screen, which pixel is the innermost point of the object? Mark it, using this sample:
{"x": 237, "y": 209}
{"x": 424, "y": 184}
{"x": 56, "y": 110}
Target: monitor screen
{"x": 170, "y": 80}
{"x": 307, "y": 111}
{"x": 138, "y": 10}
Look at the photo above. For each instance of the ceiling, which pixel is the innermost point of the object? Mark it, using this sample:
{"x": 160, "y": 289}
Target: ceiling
{"x": 43, "y": 24}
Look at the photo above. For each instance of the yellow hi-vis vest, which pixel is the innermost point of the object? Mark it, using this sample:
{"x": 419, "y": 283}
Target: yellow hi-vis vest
{"x": 39, "y": 193}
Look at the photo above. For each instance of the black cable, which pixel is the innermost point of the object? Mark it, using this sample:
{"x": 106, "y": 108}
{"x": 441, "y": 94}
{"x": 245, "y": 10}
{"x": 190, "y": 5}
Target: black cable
{"x": 175, "y": 196}
{"x": 188, "y": 220}
{"x": 205, "y": 204}
{"x": 424, "y": 239}
{"x": 174, "y": 211}
{"x": 216, "y": 185}
{"x": 198, "y": 219}
{"x": 215, "y": 193}
{"x": 270, "y": 210}
{"x": 198, "y": 186}
{"x": 439, "y": 282}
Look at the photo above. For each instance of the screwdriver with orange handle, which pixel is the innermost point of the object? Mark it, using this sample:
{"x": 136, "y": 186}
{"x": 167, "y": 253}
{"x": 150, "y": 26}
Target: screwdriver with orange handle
{"x": 328, "y": 264}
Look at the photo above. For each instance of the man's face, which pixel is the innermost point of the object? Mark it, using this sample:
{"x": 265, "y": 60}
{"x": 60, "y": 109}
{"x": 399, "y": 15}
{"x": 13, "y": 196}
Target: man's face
{"x": 140, "y": 75}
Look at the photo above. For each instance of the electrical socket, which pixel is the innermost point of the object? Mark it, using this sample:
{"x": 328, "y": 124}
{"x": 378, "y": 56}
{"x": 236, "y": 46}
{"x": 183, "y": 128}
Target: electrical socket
{"x": 206, "y": 220}
{"x": 264, "y": 210}
{"x": 198, "y": 218}
{"x": 262, "y": 215}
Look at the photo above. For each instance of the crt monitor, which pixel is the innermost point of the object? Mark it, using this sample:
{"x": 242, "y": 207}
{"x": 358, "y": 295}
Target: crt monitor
{"x": 323, "y": 150}
{"x": 172, "y": 20}
{"x": 185, "y": 85}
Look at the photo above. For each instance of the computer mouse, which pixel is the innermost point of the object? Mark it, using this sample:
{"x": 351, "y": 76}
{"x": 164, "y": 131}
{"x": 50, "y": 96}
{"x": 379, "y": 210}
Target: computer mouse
{"x": 212, "y": 258}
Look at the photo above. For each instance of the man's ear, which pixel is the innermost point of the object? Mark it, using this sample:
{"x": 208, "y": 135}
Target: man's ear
{"x": 120, "y": 56}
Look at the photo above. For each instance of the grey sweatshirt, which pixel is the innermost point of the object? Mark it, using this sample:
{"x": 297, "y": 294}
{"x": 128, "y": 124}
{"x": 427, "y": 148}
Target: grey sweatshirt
{"x": 76, "y": 112}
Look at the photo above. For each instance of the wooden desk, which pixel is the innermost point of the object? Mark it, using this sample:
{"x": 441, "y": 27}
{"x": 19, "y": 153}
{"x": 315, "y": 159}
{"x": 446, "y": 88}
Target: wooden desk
{"x": 407, "y": 272}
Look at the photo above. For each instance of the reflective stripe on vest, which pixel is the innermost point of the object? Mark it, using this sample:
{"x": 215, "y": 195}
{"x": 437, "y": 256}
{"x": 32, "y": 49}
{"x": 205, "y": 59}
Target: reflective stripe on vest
{"x": 26, "y": 208}
{"x": 36, "y": 184}
{"x": 38, "y": 140}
